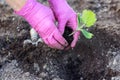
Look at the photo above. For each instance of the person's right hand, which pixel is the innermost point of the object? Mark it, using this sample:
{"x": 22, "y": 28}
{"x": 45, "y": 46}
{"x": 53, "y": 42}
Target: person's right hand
{"x": 42, "y": 20}
{"x": 66, "y": 17}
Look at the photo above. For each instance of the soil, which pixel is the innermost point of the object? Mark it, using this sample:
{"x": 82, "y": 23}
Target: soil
{"x": 67, "y": 35}
{"x": 89, "y": 60}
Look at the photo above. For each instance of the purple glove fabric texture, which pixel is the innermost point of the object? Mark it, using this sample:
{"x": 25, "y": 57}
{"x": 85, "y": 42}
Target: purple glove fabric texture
{"x": 41, "y": 18}
{"x": 65, "y": 16}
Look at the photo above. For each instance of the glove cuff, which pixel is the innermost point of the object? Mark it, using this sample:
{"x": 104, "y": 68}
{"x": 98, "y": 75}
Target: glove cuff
{"x": 27, "y": 8}
{"x": 30, "y": 12}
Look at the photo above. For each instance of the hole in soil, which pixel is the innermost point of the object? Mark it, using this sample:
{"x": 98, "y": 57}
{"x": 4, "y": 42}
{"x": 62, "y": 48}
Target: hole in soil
{"x": 66, "y": 34}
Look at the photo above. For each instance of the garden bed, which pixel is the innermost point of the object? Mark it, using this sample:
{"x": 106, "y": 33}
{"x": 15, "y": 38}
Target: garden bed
{"x": 89, "y": 60}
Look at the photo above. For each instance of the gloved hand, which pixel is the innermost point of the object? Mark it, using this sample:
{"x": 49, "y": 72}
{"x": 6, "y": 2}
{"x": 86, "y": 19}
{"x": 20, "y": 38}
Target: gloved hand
{"x": 42, "y": 20}
{"x": 65, "y": 16}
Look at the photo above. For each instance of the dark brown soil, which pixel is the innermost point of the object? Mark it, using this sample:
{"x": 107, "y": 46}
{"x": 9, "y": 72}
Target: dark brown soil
{"x": 87, "y": 61}
{"x": 67, "y": 35}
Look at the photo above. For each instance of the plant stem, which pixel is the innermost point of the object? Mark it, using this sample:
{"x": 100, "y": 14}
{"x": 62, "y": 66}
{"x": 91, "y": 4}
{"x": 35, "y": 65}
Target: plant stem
{"x": 73, "y": 32}
{"x": 81, "y": 27}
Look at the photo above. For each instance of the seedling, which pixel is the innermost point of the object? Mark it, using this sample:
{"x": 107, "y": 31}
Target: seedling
{"x": 85, "y": 20}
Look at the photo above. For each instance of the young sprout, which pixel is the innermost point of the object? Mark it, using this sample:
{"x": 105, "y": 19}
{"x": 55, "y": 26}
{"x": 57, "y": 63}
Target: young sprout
{"x": 86, "y": 20}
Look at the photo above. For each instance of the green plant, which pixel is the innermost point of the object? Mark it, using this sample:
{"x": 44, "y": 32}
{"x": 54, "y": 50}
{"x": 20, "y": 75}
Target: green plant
{"x": 86, "y": 20}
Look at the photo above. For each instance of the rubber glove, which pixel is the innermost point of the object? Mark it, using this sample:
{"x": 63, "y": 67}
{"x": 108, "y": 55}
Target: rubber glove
{"x": 65, "y": 16}
{"x": 41, "y": 18}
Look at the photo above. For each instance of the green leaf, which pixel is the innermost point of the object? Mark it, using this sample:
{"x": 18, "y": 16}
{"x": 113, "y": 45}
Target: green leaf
{"x": 87, "y": 34}
{"x": 88, "y": 18}
{"x": 79, "y": 21}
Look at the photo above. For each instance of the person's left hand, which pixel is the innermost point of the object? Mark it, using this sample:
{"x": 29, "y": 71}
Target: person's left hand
{"x": 41, "y": 18}
{"x": 65, "y": 16}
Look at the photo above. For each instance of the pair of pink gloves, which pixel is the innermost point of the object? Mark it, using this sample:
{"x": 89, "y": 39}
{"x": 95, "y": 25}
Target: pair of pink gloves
{"x": 42, "y": 19}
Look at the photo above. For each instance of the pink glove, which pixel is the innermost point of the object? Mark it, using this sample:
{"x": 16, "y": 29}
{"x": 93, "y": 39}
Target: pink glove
{"x": 65, "y": 16}
{"x": 42, "y": 20}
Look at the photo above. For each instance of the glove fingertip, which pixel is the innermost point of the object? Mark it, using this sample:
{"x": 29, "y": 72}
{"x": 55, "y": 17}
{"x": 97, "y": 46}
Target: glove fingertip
{"x": 76, "y": 37}
{"x": 61, "y": 39}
